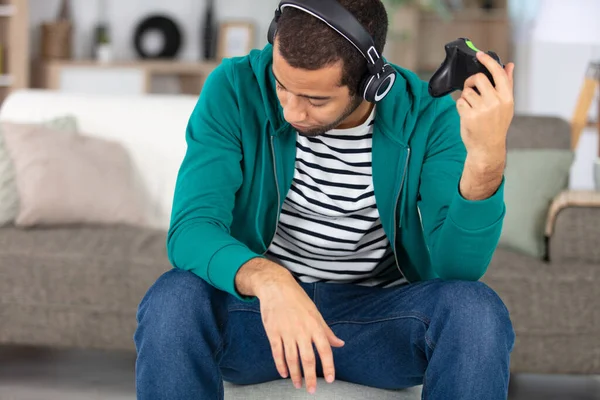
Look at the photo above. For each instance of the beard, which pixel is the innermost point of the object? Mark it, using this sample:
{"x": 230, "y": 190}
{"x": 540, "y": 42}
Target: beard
{"x": 354, "y": 104}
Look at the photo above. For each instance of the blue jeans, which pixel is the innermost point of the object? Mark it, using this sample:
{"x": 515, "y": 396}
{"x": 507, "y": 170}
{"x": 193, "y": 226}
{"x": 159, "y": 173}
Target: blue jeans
{"x": 454, "y": 337}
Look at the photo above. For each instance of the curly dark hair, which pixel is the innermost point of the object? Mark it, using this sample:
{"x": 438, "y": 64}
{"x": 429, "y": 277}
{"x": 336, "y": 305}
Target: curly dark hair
{"x": 306, "y": 42}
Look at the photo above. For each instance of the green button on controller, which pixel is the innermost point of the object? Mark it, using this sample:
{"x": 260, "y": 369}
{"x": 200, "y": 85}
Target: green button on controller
{"x": 471, "y": 45}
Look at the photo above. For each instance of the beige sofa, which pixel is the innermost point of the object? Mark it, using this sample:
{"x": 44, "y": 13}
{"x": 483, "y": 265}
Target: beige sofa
{"x": 554, "y": 301}
{"x": 80, "y": 286}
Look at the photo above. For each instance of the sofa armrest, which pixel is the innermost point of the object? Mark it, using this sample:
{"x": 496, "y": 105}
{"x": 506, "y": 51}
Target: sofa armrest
{"x": 573, "y": 227}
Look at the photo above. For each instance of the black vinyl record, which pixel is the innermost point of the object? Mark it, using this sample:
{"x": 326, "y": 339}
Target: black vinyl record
{"x": 170, "y": 32}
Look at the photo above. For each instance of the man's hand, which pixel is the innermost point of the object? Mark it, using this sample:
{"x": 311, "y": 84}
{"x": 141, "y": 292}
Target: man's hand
{"x": 292, "y": 323}
{"x": 485, "y": 119}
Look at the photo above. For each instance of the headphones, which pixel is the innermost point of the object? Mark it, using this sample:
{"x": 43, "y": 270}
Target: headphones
{"x": 381, "y": 76}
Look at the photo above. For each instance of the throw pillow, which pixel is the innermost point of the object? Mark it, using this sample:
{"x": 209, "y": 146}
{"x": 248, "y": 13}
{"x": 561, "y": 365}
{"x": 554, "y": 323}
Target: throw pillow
{"x": 533, "y": 178}
{"x": 9, "y": 197}
{"x": 71, "y": 179}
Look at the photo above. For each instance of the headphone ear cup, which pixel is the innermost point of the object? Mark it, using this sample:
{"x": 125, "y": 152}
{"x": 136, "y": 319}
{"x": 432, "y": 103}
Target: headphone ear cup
{"x": 374, "y": 88}
{"x": 272, "y": 31}
{"x": 363, "y": 88}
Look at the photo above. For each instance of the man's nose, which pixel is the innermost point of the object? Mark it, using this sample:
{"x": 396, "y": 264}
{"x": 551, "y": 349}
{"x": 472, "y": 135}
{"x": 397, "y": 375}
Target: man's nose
{"x": 294, "y": 110}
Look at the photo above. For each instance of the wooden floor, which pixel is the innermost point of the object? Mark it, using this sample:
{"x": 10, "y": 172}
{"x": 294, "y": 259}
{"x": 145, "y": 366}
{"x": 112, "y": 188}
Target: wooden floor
{"x": 44, "y": 374}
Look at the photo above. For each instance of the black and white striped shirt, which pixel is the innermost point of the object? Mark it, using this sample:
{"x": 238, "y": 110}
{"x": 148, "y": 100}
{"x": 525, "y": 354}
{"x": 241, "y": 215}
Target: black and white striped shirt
{"x": 329, "y": 229}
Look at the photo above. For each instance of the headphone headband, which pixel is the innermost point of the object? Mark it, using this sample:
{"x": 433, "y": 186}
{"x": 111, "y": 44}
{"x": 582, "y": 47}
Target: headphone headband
{"x": 341, "y": 20}
{"x": 381, "y": 77}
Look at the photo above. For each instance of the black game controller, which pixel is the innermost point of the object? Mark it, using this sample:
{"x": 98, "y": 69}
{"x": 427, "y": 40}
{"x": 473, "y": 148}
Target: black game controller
{"x": 460, "y": 63}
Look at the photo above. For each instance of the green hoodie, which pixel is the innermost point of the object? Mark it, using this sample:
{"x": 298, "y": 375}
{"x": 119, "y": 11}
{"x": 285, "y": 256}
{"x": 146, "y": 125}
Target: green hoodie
{"x": 240, "y": 163}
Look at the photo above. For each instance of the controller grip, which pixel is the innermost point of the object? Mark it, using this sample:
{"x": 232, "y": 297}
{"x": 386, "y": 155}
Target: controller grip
{"x": 495, "y": 57}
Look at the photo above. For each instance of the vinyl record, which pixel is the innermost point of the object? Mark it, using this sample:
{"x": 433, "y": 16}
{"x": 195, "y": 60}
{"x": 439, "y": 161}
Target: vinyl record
{"x": 170, "y": 34}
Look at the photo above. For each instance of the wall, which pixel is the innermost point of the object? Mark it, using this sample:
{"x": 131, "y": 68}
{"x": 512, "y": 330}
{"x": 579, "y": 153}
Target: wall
{"x": 548, "y": 78}
{"x": 123, "y": 16}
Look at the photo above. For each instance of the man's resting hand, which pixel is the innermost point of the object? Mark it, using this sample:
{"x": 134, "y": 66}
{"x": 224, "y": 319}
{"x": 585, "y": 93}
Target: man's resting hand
{"x": 291, "y": 320}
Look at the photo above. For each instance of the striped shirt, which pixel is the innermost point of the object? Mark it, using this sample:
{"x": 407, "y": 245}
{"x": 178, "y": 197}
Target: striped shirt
{"x": 329, "y": 228}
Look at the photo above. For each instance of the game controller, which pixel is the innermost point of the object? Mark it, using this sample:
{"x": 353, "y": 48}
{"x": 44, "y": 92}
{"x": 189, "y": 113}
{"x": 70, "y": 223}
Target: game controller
{"x": 461, "y": 62}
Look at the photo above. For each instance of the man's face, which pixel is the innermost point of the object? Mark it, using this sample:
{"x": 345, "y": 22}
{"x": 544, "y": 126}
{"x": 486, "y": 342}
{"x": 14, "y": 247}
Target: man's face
{"x": 313, "y": 101}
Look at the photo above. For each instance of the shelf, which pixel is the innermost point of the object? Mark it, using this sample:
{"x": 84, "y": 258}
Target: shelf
{"x": 7, "y": 10}
{"x": 5, "y": 80}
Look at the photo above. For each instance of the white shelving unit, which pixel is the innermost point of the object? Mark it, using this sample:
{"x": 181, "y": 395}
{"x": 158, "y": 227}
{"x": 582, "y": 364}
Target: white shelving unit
{"x": 6, "y": 80}
{"x": 7, "y": 10}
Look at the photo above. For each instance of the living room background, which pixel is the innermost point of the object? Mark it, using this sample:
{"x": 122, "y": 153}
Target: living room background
{"x": 540, "y": 75}
{"x": 91, "y": 144}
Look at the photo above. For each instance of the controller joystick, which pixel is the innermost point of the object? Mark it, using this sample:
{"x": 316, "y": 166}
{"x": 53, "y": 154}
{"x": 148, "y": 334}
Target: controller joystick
{"x": 461, "y": 62}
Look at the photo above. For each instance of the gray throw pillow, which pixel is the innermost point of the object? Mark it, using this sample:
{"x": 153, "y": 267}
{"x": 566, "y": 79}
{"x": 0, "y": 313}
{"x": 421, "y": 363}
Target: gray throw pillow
{"x": 534, "y": 177}
{"x": 9, "y": 196}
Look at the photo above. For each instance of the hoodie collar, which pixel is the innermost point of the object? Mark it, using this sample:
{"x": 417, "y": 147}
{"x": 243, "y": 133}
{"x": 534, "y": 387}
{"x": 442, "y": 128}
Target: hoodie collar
{"x": 396, "y": 116}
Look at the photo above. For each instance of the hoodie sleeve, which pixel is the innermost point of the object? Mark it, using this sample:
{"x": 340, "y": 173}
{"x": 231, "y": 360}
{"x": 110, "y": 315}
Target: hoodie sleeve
{"x": 461, "y": 235}
{"x": 199, "y": 237}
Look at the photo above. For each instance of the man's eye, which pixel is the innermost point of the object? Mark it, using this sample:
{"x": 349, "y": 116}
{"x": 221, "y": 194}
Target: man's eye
{"x": 317, "y": 105}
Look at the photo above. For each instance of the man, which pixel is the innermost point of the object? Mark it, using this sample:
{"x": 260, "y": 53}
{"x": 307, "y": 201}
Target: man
{"x": 315, "y": 233}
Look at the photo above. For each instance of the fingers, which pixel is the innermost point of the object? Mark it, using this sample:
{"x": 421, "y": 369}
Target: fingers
{"x": 279, "y": 356}
{"x": 291, "y": 356}
{"x": 331, "y": 337}
{"x": 326, "y": 356}
{"x": 510, "y": 70}
{"x": 472, "y": 97}
{"x": 309, "y": 364}
{"x": 482, "y": 84}
{"x": 498, "y": 73}
{"x": 463, "y": 106}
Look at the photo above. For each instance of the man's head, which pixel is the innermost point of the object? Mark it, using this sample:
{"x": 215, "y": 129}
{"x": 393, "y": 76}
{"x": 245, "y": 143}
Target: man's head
{"x": 318, "y": 71}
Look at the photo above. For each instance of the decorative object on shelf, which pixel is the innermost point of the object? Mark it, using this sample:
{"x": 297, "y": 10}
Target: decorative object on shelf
{"x": 209, "y": 32}
{"x": 57, "y": 36}
{"x": 157, "y": 37}
{"x": 488, "y": 5}
{"x": 236, "y": 38}
{"x": 103, "y": 51}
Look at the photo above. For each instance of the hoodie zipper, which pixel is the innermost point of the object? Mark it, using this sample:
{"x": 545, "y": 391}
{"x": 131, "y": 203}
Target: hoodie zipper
{"x": 278, "y": 195}
{"x": 396, "y": 225}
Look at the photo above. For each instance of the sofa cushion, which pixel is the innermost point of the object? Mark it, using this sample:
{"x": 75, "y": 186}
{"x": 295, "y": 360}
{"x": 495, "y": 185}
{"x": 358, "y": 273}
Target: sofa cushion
{"x": 72, "y": 179}
{"x": 539, "y": 132}
{"x": 283, "y": 389}
{"x": 9, "y": 196}
{"x": 533, "y": 178}
{"x": 85, "y": 267}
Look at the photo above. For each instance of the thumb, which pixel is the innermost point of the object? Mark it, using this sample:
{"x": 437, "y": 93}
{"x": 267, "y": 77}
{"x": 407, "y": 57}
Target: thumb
{"x": 511, "y": 73}
{"x": 333, "y": 340}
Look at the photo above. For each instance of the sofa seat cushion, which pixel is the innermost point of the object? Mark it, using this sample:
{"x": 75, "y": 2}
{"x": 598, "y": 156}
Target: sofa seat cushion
{"x": 283, "y": 389}
{"x": 99, "y": 268}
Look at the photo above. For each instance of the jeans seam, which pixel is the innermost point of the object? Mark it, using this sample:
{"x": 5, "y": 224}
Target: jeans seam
{"x": 424, "y": 391}
{"x": 423, "y": 319}
{"x": 243, "y": 309}
{"x": 221, "y": 388}
{"x": 221, "y": 342}
{"x": 315, "y": 295}
{"x": 429, "y": 342}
